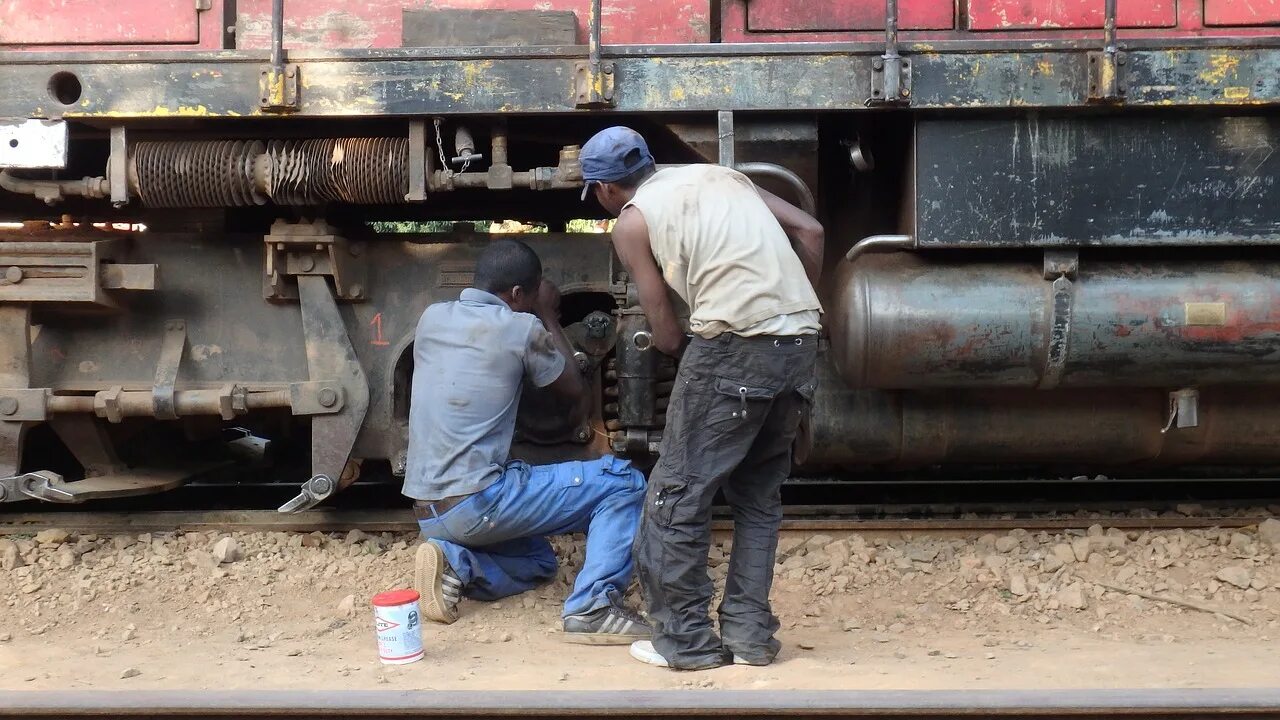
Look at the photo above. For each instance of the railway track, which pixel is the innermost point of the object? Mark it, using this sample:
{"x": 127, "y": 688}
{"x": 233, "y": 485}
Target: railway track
{"x": 799, "y": 518}
{"x": 1257, "y": 704}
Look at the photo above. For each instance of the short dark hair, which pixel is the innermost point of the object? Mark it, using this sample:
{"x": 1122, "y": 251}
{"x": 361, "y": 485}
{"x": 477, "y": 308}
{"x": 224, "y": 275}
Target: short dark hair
{"x": 505, "y": 264}
{"x": 637, "y": 176}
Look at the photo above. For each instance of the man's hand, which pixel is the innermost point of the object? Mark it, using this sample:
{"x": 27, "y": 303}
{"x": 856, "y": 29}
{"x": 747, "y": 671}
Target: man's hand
{"x": 546, "y": 304}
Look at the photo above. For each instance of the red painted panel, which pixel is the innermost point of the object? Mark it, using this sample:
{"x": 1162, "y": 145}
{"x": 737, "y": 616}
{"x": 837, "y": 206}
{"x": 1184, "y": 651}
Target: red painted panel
{"x": 101, "y": 22}
{"x": 1045, "y": 14}
{"x": 322, "y": 24}
{"x": 820, "y": 15}
{"x": 1241, "y": 12}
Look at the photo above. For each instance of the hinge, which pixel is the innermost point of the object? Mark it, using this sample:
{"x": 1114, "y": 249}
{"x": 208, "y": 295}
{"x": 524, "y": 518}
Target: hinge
{"x": 890, "y": 81}
{"x": 1106, "y": 76}
{"x": 278, "y": 88}
{"x": 593, "y": 84}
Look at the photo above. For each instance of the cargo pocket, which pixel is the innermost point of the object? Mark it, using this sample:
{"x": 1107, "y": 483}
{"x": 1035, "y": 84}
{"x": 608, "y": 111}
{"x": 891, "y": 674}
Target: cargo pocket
{"x": 665, "y": 500}
{"x": 622, "y": 472}
{"x": 738, "y": 403}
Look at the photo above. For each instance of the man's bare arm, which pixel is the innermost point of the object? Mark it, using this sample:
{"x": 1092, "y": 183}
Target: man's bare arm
{"x": 631, "y": 240}
{"x": 570, "y": 383}
{"x": 805, "y": 232}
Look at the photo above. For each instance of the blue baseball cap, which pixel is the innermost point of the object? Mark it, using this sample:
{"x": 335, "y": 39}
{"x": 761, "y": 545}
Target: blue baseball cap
{"x": 612, "y": 154}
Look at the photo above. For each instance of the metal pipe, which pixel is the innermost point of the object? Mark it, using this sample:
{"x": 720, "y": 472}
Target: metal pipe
{"x": 879, "y": 243}
{"x": 891, "y": 28}
{"x": 52, "y": 191}
{"x": 777, "y": 172}
{"x": 593, "y": 34}
{"x": 1108, "y": 27}
{"x": 140, "y": 403}
{"x": 277, "y": 34}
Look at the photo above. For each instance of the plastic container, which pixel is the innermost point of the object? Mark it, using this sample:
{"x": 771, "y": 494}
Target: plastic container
{"x": 399, "y": 626}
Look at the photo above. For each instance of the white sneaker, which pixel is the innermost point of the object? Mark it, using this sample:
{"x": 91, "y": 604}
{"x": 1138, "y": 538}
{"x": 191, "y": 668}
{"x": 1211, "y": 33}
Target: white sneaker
{"x": 643, "y": 651}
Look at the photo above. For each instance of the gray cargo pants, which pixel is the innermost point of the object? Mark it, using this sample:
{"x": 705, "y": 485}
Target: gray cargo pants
{"x": 731, "y": 420}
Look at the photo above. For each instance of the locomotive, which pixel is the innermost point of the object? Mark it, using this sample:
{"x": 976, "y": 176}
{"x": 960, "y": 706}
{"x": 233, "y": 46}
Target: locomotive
{"x": 1051, "y": 226}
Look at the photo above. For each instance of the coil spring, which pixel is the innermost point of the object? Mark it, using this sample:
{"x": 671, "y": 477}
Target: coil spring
{"x": 366, "y": 171}
{"x": 218, "y": 173}
{"x": 235, "y": 173}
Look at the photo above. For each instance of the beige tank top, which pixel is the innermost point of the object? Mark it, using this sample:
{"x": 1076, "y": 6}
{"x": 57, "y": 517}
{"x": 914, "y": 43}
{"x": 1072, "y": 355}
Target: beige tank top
{"x": 724, "y": 254}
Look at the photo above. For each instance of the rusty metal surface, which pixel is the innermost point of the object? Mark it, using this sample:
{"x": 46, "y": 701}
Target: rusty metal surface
{"x": 74, "y": 24}
{"x": 1039, "y": 20}
{"x": 1102, "y": 430}
{"x": 1133, "y": 324}
{"x": 680, "y": 78}
{"x": 362, "y": 24}
{"x": 1136, "y": 180}
{"x": 236, "y": 338}
{"x": 1032, "y": 14}
{"x": 846, "y": 15}
{"x": 1236, "y": 13}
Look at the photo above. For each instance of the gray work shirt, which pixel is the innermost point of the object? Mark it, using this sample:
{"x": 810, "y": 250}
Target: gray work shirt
{"x": 470, "y": 358}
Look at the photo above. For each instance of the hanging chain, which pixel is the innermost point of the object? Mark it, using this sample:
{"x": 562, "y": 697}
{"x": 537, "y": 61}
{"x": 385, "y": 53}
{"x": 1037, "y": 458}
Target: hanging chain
{"x": 466, "y": 162}
{"x": 444, "y": 162}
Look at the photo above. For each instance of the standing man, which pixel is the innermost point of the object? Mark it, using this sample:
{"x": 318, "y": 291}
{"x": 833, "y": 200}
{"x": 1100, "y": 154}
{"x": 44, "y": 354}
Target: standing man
{"x": 483, "y": 515}
{"x": 746, "y": 263}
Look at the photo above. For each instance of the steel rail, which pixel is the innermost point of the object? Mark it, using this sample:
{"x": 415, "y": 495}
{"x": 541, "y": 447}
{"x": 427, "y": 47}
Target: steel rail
{"x": 400, "y": 520}
{"x": 250, "y": 705}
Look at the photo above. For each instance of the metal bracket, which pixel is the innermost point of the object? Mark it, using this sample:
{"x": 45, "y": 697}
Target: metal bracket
{"x": 41, "y": 485}
{"x": 330, "y": 355}
{"x": 316, "y": 398}
{"x": 278, "y": 88}
{"x": 418, "y": 155}
{"x": 33, "y": 144}
{"x": 118, "y": 167}
{"x": 725, "y": 137}
{"x": 68, "y": 272}
{"x": 24, "y": 404}
{"x": 593, "y": 80}
{"x": 593, "y": 84}
{"x": 890, "y": 73}
{"x": 295, "y": 250}
{"x": 1106, "y": 81}
{"x": 890, "y": 81}
{"x": 312, "y": 493}
{"x": 171, "y": 350}
{"x": 1106, "y": 77}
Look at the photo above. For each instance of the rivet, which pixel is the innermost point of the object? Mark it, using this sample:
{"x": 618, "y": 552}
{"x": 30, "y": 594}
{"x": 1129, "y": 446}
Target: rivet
{"x": 328, "y": 398}
{"x": 14, "y": 275}
{"x": 308, "y": 263}
{"x": 8, "y": 406}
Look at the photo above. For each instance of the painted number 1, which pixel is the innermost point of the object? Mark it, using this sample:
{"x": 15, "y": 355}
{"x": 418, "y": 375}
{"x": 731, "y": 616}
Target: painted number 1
{"x": 376, "y": 322}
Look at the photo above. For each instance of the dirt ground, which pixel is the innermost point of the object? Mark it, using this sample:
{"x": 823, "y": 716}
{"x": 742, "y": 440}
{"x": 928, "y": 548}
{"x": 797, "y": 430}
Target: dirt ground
{"x": 1016, "y": 610}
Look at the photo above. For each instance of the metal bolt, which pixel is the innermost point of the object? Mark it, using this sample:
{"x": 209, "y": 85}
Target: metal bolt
{"x": 13, "y": 275}
{"x": 878, "y": 64}
{"x": 583, "y": 434}
{"x": 308, "y": 263}
{"x": 4, "y": 493}
{"x": 8, "y": 405}
{"x": 357, "y": 290}
{"x": 355, "y": 249}
{"x": 328, "y": 398}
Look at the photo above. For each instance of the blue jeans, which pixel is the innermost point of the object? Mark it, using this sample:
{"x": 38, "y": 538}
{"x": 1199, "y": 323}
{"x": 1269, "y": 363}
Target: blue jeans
{"x": 495, "y": 540}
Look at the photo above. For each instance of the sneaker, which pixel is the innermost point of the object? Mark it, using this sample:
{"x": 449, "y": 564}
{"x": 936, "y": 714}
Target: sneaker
{"x": 435, "y": 581}
{"x": 644, "y": 651}
{"x": 609, "y": 625}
